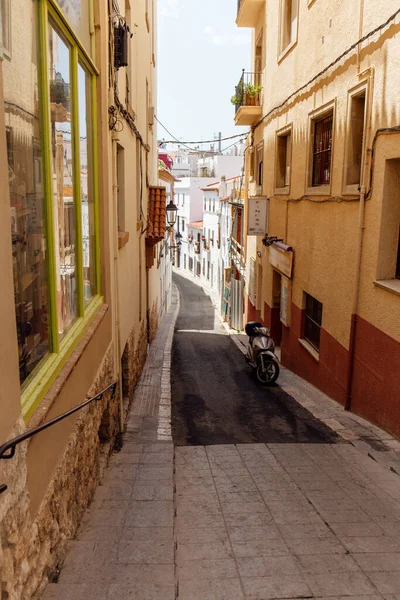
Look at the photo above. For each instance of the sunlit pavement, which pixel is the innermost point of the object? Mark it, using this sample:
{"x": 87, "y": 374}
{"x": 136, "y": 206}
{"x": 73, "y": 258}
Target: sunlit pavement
{"x": 236, "y": 521}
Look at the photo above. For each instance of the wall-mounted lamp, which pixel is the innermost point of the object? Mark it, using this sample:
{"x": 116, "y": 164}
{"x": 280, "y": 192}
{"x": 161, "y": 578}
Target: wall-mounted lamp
{"x": 269, "y": 240}
{"x": 171, "y": 210}
{"x": 177, "y": 246}
{"x": 258, "y": 254}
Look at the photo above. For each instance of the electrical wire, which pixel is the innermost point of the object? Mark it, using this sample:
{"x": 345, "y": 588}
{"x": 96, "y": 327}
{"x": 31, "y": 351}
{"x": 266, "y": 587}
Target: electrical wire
{"x": 316, "y": 200}
{"x": 333, "y": 63}
{"x": 175, "y": 139}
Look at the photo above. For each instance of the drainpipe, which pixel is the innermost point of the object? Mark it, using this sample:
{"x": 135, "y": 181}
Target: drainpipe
{"x": 356, "y": 295}
{"x": 115, "y": 138}
{"x": 360, "y": 237}
{"x": 246, "y": 201}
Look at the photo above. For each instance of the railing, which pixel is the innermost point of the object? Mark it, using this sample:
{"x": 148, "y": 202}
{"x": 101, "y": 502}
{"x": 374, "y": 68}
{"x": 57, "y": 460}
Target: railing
{"x": 11, "y": 444}
{"x": 246, "y": 93}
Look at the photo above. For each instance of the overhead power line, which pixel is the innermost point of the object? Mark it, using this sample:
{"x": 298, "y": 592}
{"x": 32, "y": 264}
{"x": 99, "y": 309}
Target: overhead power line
{"x": 175, "y": 139}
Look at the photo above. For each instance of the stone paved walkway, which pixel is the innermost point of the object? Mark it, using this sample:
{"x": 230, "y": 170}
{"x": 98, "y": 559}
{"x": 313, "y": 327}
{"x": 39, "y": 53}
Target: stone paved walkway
{"x": 248, "y": 522}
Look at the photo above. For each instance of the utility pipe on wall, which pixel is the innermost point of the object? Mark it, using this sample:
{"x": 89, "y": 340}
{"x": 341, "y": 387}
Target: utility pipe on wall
{"x": 116, "y": 282}
{"x": 358, "y": 259}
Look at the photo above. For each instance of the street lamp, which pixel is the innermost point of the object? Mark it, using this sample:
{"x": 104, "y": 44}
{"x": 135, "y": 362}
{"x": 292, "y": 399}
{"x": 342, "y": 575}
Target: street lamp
{"x": 171, "y": 211}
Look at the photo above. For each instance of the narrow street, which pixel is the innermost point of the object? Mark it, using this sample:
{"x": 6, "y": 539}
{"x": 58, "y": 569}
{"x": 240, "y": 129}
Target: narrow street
{"x": 285, "y": 519}
{"x": 216, "y": 398}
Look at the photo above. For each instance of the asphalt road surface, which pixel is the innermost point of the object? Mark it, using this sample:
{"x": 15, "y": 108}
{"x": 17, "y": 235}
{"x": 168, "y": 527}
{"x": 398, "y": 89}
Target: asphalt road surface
{"x": 215, "y": 396}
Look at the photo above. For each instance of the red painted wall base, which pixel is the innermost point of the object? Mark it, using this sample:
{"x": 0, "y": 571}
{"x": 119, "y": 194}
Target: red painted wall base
{"x": 376, "y": 388}
{"x": 329, "y": 374}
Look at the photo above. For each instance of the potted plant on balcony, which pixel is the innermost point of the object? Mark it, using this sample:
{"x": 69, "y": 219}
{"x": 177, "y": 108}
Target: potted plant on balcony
{"x": 236, "y": 99}
{"x": 251, "y": 94}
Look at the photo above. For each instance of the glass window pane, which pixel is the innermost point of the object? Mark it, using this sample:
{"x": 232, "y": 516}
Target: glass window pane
{"x": 86, "y": 185}
{"x": 77, "y": 13}
{"x": 26, "y": 195}
{"x": 63, "y": 193}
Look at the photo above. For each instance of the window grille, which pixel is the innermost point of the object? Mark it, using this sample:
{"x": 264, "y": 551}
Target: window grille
{"x": 313, "y": 321}
{"x": 322, "y": 151}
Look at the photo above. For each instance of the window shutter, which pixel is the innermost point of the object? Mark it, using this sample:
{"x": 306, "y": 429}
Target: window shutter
{"x": 288, "y": 161}
{"x": 252, "y": 160}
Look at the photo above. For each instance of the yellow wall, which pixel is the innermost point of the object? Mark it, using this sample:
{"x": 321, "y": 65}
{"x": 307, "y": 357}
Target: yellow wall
{"x": 324, "y": 236}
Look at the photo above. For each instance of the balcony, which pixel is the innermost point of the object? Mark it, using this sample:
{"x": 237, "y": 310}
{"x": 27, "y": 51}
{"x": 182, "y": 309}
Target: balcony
{"x": 247, "y": 99}
{"x": 248, "y": 12}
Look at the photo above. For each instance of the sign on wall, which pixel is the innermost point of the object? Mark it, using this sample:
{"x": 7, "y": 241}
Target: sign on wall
{"x": 281, "y": 260}
{"x": 286, "y": 300}
{"x": 257, "y": 216}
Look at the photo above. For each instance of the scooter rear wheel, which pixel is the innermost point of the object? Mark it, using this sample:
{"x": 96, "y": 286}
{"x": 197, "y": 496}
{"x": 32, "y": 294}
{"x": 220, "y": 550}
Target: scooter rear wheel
{"x": 270, "y": 374}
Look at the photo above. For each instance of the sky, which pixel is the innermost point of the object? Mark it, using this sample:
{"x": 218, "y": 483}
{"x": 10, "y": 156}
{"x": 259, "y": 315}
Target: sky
{"x": 200, "y": 56}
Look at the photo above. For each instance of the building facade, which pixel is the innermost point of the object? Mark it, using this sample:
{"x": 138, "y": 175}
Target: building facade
{"x": 324, "y": 155}
{"x": 80, "y": 300}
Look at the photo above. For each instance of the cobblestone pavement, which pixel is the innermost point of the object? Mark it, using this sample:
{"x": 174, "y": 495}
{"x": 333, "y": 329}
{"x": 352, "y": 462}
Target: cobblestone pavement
{"x": 246, "y": 521}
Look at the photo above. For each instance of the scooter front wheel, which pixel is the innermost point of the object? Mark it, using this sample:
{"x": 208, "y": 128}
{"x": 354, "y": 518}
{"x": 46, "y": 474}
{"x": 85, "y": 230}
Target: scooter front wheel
{"x": 269, "y": 373}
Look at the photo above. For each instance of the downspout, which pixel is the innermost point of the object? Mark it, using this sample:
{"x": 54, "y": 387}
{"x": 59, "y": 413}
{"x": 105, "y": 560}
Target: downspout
{"x": 356, "y": 295}
{"x": 115, "y": 138}
{"x": 360, "y": 238}
{"x": 246, "y": 201}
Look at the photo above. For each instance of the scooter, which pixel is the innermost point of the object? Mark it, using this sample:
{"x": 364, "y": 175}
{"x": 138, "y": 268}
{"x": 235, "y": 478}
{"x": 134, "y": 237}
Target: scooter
{"x": 261, "y": 353}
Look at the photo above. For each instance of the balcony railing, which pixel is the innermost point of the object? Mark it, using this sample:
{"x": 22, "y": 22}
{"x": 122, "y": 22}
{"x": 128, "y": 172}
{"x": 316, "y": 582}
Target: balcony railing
{"x": 248, "y": 90}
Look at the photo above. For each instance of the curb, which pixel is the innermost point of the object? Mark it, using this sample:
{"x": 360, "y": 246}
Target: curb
{"x": 164, "y": 432}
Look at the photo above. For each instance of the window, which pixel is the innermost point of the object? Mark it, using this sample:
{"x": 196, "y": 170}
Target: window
{"x": 288, "y": 30}
{"x": 53, "y": 193}
{"x": 198, "y": 237}
{"x": 259, "y": 166}
{"x": 251, "y": 284}
{"x": 190, "y": 263}
{"x": 184, "y": 261}
{"x": 312, "y": 321}
{"x": 208, "y": 269}
{"x": 389, "y": 242}
{"x": 398, "y": 258}
{"x": 204, "y": 266}
{"x": 283, "y": 160}
{"x": 198, "y": 268}
{"x": 322, "y": 150}
{"x": 183, "y": 225}
{"x": 258, "y": 58}
{"x": 213, "y": 206}
{"x": 6, "y": 26}
{"x": 355, "y": 139}
{"x": 121, "y": 187}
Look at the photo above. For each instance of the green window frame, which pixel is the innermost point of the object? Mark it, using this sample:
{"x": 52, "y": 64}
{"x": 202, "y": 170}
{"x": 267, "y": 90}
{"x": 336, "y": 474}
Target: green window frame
{"x": 40, "y": 380}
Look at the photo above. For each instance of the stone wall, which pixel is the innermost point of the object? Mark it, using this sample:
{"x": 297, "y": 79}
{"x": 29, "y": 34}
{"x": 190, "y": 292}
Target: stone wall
{"x": 133, "y": 359}
{"x": 153, "y": 321}
{"x": 33, "y": 546}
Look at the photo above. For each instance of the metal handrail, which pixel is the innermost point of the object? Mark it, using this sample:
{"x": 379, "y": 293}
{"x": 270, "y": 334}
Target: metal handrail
{"x": 11, "y": 444}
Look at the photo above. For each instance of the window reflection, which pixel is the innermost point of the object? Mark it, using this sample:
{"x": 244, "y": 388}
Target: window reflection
{"x": 86, "y": 184}
{"x": 27, "y": 209}
{"x": 63, "y": 194}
